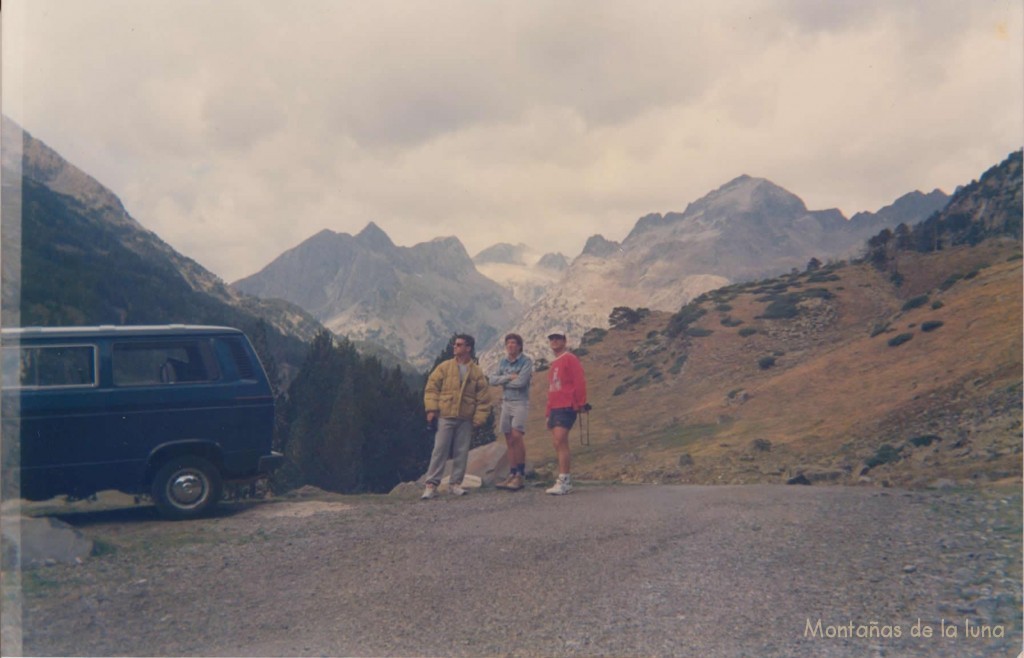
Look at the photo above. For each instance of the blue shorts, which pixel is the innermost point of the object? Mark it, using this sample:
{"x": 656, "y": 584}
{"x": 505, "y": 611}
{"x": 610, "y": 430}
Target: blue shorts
{"x": 562, "y": 417}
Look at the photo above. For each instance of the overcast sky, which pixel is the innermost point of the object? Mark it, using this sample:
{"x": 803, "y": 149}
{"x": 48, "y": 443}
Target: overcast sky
{"x": 236, "y": 130}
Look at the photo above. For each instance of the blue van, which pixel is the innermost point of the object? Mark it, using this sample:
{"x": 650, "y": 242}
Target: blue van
{"x": 169, "y": 411}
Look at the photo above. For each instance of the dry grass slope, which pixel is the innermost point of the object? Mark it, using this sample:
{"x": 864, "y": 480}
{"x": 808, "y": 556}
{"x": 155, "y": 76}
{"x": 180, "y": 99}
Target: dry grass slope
{"x": 824, "y": 396}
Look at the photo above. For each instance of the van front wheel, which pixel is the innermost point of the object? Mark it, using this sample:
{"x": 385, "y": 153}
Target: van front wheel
{"x": 186, "y": 487}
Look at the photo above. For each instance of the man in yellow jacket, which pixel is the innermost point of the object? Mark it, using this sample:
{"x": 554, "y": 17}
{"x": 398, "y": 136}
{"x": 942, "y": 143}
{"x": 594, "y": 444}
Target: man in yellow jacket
{"x": 457, "y": 397}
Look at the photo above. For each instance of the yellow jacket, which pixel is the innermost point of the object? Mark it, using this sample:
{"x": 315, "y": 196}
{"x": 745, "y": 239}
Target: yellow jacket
{"x": 445, "y": 395}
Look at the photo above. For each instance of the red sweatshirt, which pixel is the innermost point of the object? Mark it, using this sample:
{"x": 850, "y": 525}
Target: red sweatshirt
{"x": 567, "y": 386}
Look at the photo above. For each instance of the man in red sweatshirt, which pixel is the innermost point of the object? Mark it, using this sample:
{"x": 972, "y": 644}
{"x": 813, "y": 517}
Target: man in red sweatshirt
{"x": 567, "y": 397}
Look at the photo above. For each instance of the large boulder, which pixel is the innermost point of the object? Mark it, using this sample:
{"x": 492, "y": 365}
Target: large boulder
{"x": 487, "y": 464}
{"x": 33, "y": 542}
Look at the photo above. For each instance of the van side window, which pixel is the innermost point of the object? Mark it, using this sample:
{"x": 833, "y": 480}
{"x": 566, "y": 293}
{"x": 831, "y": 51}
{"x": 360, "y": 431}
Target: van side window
{"x": 165, "y": 362}
{"x": 49, "y": 367}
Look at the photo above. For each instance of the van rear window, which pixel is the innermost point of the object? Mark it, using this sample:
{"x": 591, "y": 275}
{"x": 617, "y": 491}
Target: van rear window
{"x": 164, "y": 362}
{"x": 51, "y": 366}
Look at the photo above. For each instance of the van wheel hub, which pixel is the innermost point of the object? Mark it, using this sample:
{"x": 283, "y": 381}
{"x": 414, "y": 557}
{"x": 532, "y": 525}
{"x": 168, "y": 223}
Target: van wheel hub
{"x": 187, "y": 489}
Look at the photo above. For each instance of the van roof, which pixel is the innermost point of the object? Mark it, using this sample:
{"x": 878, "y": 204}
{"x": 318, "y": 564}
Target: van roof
{"x": 106, "y": 330}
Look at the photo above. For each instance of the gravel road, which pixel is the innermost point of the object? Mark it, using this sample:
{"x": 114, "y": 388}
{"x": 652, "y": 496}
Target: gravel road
{"x": 607, "y": 570}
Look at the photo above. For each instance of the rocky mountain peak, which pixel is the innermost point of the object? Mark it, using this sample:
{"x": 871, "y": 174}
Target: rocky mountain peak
{"x": 373, "y": 237}
{"x": 408, "y": 300}
{"x": 597, "y": 245}
{"x": 40, "y": 163}
{"x": 503, "y": 252}
{"x": 745, "y": 194}
{"x": 553, "y": 261}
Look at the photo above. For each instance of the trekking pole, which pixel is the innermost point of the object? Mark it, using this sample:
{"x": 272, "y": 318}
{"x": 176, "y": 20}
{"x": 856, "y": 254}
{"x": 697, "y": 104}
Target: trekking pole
{"x": 586, "y": 414}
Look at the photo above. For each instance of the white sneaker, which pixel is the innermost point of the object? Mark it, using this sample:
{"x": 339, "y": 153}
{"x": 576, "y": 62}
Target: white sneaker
{"x": 562, "y": 486}
{"x": 429, "y": 492}
{"x": 456, "y": 490}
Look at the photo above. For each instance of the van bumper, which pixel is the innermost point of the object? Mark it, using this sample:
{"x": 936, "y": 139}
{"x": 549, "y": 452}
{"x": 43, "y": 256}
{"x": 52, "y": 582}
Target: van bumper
{"x": 270, "y": 462}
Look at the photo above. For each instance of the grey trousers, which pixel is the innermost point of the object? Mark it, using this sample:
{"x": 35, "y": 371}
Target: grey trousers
{"x": 455, "y": 435}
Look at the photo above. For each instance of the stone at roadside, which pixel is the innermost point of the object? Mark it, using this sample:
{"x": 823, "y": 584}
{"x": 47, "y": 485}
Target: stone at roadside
{"x": 41, "y": 541}
{"x": 488, "y": 462}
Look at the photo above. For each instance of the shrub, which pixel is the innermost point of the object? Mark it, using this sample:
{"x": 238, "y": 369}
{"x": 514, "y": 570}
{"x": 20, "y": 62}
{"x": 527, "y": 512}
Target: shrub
{"x": 698, "y": 332}
{"x": 885, "y": 454}
{"x": 729, "y": 321}
{"x": 595, "y": 335}
{"x": 822, "y": 293}
{"x": 622, "y": 316}
{"x": 766, "y": 362}
{"x": 686, "y": 316}
{"x": 899, "y": 340}
{"x": 678, "y": 365}
{"x": 782, "y": 308}
{"x": 747, "y": 331}
{"x": 931, "y": 325}
{"x": 879, "y": 327}
{"x": 937, "y": 304}
{"x": 926, "y": 440}
{"x": 914, "y": 302}
{"x": 950, "y": 280}
{"x": 724, "y": 308}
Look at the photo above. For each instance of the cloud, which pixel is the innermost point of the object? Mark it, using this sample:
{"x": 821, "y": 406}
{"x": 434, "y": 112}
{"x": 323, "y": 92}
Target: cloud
{"x": 237, "y": 129}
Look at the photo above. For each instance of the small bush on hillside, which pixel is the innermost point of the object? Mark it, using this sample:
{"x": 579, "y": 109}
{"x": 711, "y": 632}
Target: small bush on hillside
{"x": 950, "y": 280}
{"x": 678, "y": 365}
{"x": 729, "y": 321}
{"x": 623, "y": 316}
{"x": 899, "y": 340}
{"x": 686, "y": 316}
{"x": 937, "y": 304}
{"x": 747, "y": 331}
{"x": 593, "y": 336}
{"x": 915, "y": 302}
{"x": 698, "y": 332}
{"x": 766, "y": 362}
{"x": 885, "y": 454}
{"x": 931, "y": 325}
{"x": 926, "y": 440}
{"x": 782, "y": 309}
{"x": 973, "y": 273}
{"x": 723, "y": 308}
{"x": 820, "y": 293}
{"x": 879, "y": 327}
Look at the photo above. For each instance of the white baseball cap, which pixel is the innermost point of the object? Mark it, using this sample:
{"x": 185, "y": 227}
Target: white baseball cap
{"x": 557, "y": 331}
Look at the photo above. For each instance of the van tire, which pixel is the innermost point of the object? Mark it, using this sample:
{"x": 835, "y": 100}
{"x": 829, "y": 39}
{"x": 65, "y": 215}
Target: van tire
{"x": 186, "y": 487}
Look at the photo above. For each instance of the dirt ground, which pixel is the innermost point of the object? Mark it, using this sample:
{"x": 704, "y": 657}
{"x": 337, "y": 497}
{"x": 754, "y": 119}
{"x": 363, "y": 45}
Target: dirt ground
{"x": 621, "y": 570}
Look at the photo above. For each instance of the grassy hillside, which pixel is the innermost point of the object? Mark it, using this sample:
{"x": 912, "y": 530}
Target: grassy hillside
{"x": 849, "y": 379}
